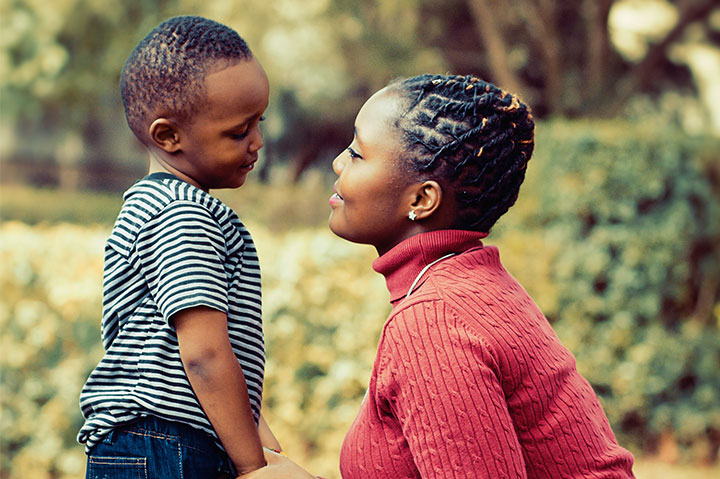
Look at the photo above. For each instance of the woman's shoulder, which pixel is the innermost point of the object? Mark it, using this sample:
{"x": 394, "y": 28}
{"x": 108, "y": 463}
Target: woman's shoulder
{"x": 430, "y": 321}
{"x": 472, "y": 293}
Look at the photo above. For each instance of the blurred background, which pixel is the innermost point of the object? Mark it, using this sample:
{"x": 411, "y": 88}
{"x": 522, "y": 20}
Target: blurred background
{"x": 616, "y": 233}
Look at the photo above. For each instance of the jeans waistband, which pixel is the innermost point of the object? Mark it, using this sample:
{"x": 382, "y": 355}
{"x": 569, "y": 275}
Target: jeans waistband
{"x": 186, "y": 435}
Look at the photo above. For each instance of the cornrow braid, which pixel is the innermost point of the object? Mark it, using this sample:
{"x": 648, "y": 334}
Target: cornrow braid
{"x": 472, "y": 137}
{"x": 165, "y": 72}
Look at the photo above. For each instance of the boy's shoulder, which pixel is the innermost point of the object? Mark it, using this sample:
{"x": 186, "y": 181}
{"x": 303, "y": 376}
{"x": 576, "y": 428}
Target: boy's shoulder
{"x": 152, "y": 194}
{"x": 155, "y": 194}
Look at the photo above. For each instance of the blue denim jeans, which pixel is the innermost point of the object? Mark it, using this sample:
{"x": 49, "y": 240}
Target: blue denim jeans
{"x": 151, "y": 448}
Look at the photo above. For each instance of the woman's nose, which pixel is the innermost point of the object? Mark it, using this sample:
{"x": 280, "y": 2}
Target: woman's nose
{"x": 339, "y": 163}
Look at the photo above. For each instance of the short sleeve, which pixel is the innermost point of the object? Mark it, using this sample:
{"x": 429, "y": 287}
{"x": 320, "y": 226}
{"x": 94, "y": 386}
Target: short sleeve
{"x": 447, "y": 398}
{"x": 181, "y": 253}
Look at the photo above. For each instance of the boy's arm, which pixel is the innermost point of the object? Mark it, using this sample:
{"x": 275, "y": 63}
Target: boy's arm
{"x": 219, "y": 384}
{"x": 267, "y": 438}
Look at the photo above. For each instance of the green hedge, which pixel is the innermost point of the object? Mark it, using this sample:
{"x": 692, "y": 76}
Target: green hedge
{"x": 616, "y": 235}
{"x": 624, "y": 220}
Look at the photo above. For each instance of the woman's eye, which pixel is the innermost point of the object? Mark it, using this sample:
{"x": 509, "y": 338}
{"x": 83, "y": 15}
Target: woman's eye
{"x": 353, "y": 153}
{"x": 238, "y": 136}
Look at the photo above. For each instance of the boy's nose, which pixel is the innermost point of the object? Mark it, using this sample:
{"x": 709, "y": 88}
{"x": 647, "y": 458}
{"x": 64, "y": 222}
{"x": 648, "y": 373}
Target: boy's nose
{"x": 257, "y": 141}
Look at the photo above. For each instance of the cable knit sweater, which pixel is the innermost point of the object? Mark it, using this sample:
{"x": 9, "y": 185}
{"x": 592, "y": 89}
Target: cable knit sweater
{"x": 470, "y": 381}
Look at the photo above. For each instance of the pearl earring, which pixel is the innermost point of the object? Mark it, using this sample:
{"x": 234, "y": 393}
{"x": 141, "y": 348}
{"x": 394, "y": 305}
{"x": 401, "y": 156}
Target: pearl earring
{"x": 412, "y": 215}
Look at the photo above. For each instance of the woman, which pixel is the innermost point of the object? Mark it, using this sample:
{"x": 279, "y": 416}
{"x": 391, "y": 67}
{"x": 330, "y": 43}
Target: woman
{"x": 469, "y": 379}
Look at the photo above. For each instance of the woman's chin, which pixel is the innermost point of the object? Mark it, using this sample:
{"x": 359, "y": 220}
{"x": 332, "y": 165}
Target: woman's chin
{"x": 338, "y": 230}
{"x": 334, "y": 228}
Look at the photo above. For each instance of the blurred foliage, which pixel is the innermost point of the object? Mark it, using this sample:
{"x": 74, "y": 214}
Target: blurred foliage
{"x": 70, "y": 52}
{"x": 323, "y": 311}
{"x": 620, "y": 245}
{"x": 43, "y": 205}
{"x": 615, "y": 235}
{"x": 60, "y": 62}
{"x": 51, "y": 293}
{"x": 279, "y": 205}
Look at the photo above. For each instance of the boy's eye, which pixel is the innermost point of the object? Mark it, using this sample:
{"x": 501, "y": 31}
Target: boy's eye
{"x": 240, "y": 136}
{"x": 353, "y": 153}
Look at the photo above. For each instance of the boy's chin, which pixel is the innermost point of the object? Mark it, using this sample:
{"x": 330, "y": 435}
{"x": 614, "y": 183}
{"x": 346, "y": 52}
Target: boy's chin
{"x": 231, "y": 183}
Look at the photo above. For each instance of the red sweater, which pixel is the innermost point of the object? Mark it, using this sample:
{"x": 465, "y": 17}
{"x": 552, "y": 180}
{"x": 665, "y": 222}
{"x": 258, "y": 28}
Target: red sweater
{"x": 470, "y": 380}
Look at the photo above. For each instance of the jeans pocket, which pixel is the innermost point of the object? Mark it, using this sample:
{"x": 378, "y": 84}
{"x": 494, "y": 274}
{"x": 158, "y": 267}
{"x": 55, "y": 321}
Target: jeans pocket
{"x": 104, "y": 467}
{"x": 196, "y": 463}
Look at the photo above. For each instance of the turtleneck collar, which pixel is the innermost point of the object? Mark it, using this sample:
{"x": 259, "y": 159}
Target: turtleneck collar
{"x": 405, "y": 260}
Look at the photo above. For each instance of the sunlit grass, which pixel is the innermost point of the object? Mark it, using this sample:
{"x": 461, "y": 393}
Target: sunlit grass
{"x": 46, "y": 205}
{"x": 279, "y": 205}
{"x": 651, "y": 468}
{"x": 273, "y": 212}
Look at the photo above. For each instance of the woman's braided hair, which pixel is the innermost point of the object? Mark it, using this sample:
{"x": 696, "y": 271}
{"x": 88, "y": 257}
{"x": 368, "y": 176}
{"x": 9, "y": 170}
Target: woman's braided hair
{"x": 473, "y": 137}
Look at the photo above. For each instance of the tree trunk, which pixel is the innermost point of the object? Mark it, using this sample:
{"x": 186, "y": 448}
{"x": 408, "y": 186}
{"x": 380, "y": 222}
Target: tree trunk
{"x": 540, "y": 19}
{"x": 487, "y": 28}
{"x": 596, "y": 13}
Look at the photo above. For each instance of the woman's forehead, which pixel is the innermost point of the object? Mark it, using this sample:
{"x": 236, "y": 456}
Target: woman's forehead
{"x": 377, "y": 116}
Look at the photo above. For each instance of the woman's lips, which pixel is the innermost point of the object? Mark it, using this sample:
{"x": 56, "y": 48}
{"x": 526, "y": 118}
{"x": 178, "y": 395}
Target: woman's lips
{"x": 335, "y": 198}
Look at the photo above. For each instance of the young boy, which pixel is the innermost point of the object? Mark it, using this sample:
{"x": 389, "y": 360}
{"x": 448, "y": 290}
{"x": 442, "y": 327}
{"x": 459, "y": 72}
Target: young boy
{"x": 178, "y": 392}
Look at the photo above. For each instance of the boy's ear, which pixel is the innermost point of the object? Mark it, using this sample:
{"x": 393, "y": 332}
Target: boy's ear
{"x": 164, "y": 134}
{"x": 428, "y": 196}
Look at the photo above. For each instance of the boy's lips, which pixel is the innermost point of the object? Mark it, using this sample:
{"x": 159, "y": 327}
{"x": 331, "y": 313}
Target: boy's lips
{"x": 251, "y": 164}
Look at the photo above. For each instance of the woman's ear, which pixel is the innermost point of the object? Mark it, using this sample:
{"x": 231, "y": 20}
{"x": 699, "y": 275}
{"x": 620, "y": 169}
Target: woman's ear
{"x": 164, "y": 134}
{"x": 428, "y": 197}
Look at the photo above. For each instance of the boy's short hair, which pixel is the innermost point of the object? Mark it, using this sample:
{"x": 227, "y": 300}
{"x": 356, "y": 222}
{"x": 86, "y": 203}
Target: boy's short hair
{"x": 165, "y": 72}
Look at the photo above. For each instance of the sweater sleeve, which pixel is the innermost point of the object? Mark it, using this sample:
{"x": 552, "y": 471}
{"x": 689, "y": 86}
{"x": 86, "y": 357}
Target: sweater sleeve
{"x": 443, "y": 389}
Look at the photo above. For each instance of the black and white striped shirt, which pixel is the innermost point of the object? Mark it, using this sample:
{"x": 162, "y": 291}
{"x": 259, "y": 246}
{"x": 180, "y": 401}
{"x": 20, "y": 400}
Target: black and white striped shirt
{"x": 173, "y": 247}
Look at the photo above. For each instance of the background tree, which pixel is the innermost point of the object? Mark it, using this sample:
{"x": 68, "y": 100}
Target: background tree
{"x": 60, "y": 64}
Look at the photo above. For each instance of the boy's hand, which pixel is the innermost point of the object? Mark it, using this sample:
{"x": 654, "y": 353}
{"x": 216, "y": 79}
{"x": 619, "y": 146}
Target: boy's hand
{"x": 278, "y": 467}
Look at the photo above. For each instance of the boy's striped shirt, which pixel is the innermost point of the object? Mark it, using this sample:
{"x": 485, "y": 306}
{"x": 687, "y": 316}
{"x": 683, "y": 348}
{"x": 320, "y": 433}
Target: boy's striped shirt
{"x": 173, "y": 247}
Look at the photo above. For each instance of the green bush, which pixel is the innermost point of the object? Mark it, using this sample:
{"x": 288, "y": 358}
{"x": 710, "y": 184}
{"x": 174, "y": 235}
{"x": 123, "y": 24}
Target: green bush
{"x": 615, "y": 235}
{"x": 50, "y": 280}
{"x": 626, "y": 221}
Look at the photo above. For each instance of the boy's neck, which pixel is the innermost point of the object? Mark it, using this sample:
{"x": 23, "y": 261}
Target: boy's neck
{"x": 160, "y": 165}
